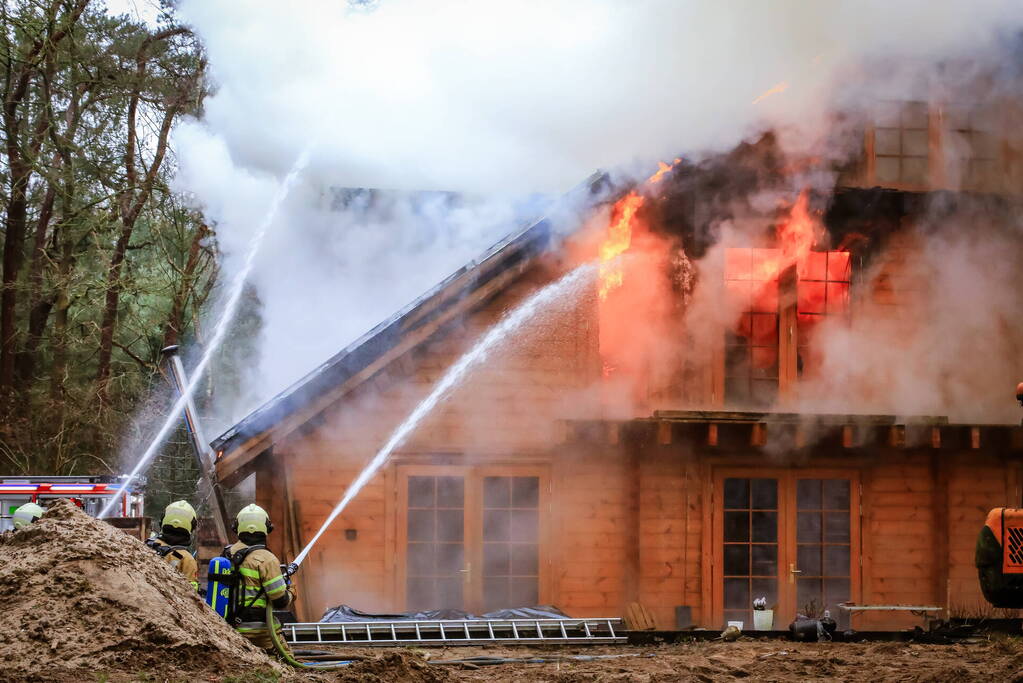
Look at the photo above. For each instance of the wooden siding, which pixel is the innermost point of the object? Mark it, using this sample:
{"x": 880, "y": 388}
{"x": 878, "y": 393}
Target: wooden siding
{"x": 630, "y": 515}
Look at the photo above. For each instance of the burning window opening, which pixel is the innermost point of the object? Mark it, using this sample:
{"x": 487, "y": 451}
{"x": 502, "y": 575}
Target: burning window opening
{"x": 822, "y": 290}
{"x": 751, "y": 347}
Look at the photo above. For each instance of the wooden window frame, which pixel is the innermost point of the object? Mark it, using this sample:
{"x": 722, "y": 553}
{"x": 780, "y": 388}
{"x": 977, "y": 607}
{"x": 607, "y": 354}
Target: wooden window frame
{"x": 473, "y": 475}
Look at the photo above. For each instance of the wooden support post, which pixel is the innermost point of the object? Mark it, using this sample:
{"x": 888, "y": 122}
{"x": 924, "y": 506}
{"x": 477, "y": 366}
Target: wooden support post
{"x": 757, "y": 435}
{"x": 935, "y": 437}
{"x": 847, "y": 436}
{"x": 292, "y": 535}
{"x": 631, "y": 561}
{"x": 712, "y": 434}
{"x": 664, "y": 433}
{"x": 975, "y": 438}
{"x": 940, "y": 528}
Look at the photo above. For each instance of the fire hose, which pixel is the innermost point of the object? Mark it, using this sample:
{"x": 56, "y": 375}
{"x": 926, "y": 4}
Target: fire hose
{"x": 282, "y": 649}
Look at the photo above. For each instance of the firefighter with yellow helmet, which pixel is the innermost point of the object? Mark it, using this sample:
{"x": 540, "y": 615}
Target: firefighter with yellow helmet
{"x": 260, "y": 576}
{"x": 174, "y": 539}
{"x": 26, "y": 514}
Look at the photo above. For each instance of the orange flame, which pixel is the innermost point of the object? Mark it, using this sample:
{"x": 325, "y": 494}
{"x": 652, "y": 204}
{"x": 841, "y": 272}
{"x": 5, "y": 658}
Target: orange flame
{"x": 796, "y": 236}
{"x": 619, "y": 238}
{"x": 619, "y": 232}
{"x": 662, "y": 169}
{"x": 773, "y": 90}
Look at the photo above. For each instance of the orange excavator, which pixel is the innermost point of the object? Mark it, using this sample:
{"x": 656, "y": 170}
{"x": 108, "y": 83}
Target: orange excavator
{"x": 999, "y": 553}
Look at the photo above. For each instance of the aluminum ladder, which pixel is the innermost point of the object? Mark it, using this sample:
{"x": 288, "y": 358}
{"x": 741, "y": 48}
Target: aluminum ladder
{"x": 600, "y": 631}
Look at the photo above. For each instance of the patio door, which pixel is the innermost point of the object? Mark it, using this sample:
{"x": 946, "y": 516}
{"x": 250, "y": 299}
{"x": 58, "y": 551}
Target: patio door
{"x": 471, "y": 538}
{"x": 791, "y": 537}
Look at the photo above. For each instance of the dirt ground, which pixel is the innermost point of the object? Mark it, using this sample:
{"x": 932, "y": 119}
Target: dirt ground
{"x": 83, "y": 601}
{"x": 993, "y": 659}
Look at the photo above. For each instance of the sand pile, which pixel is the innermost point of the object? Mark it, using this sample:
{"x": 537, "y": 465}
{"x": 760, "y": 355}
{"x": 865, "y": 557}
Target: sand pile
{"x": 80, "y": 600}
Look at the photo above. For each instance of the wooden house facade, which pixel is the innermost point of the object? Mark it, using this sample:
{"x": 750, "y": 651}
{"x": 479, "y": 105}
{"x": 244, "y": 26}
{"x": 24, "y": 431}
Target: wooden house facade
{"x": 523, "y": 488}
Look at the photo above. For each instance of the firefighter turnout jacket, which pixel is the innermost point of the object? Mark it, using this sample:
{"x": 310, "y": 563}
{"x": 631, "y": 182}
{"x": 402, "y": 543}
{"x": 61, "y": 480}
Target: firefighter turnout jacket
{"x": 179, "y": 559}
{"x": 261, "y": 580}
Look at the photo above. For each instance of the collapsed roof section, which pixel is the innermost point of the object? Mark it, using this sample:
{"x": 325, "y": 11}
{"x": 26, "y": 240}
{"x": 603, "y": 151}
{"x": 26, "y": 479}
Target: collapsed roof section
{"x": 471, "y": 285}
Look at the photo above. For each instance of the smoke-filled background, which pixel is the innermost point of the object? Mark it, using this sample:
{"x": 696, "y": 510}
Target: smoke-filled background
{"x": 506, "y": 104}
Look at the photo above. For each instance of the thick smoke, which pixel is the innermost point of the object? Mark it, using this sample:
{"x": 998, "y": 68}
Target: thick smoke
{"x": 951, "y": 346}
{"x": 497, "y": 99}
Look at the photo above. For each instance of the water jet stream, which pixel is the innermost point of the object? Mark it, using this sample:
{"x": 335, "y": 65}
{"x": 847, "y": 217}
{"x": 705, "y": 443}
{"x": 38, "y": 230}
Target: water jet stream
{"x": 230, "y": 308}
{"x": 455, "y": 374}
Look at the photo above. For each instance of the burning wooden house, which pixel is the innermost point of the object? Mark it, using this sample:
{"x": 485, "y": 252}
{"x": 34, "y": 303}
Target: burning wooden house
{"x": 714, "y": 417}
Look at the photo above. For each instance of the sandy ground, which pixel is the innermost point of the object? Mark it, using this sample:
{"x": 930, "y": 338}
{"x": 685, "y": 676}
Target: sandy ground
{"x": 994, "y": 659}
{"x": 83, "y": 601}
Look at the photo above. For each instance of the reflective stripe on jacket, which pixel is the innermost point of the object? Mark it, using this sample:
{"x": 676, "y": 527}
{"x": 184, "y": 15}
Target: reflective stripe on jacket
{"x": 261, "y": 577}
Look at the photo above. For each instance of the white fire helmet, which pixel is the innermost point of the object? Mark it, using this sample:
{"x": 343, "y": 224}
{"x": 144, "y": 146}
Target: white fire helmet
{"x": 26, "y": 514}
{"x": 253, "y": 519}
{"x": 180, "y": 514}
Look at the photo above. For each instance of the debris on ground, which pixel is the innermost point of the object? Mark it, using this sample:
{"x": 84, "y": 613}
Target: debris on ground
{"x": 751, "y": 659}
{"x": 81, "y": 600}
{"x": 393, "y": 665}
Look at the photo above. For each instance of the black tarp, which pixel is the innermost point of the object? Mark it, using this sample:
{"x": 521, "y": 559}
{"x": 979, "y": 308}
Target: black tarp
{"x": 345, "y": 613}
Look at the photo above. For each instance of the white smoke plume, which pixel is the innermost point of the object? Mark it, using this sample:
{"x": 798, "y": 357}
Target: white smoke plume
{"x": 498, "y": 99}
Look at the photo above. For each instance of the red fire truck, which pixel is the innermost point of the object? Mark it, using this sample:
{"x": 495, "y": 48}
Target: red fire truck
{"x": 89, "y": 492}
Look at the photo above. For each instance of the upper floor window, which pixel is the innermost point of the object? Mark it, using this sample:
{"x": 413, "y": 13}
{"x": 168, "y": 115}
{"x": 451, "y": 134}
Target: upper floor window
{"x": 971, "y": 145}
{"x": 822, "y": 290}
{"x": 901, "y": 143}
{"x": 755, "y": 356}
{"x": 751, "y": 346}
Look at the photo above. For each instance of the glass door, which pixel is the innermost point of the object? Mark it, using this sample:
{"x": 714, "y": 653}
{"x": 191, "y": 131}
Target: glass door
{"x": 511, "y": 542}
{"x": 790, "y": 537}
{"x": 823, "y": 568}
{"x": 435, "y": 542}
{"x": 471, "y": 538}
{"x": 750, "y": 545}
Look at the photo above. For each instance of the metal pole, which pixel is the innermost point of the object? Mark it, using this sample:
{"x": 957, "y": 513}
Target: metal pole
{"x": 203, "y": 454}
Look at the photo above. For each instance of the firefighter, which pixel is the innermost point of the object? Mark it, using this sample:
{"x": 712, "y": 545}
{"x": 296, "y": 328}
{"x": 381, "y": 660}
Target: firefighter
{"x": 179, "y": 521}
{"x": 26, "y": 514}
{"x": 261, "y": 578}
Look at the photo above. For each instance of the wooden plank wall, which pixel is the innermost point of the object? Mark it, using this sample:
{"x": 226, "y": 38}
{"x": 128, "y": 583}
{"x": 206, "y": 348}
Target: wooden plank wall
{"x": 593, "y": 537}
{"x": 920, "y": 525}
{"x": 623, "y": 530}
{"x": 670, "y": 534}
{"x": 976, "y": 484}
{"x": 510, "y": 408}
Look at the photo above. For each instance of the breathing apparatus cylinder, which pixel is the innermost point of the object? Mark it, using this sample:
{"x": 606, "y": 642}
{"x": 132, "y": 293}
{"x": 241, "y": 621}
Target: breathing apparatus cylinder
{"x": 218, "y": 585}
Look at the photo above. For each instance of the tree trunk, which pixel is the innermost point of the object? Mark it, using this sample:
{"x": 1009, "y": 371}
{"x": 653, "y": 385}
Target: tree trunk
{"x": 176, "y": 319}
{"x": 39, "y": 306}
{"x": 130, "y": 204}
{"x": 41, "y": 303}
{"x": 19, "y": 158}
{"x": 61, "y": 305}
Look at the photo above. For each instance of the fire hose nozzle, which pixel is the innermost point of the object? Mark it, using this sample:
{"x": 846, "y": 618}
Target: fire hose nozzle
{"x": 291, "y": 569}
